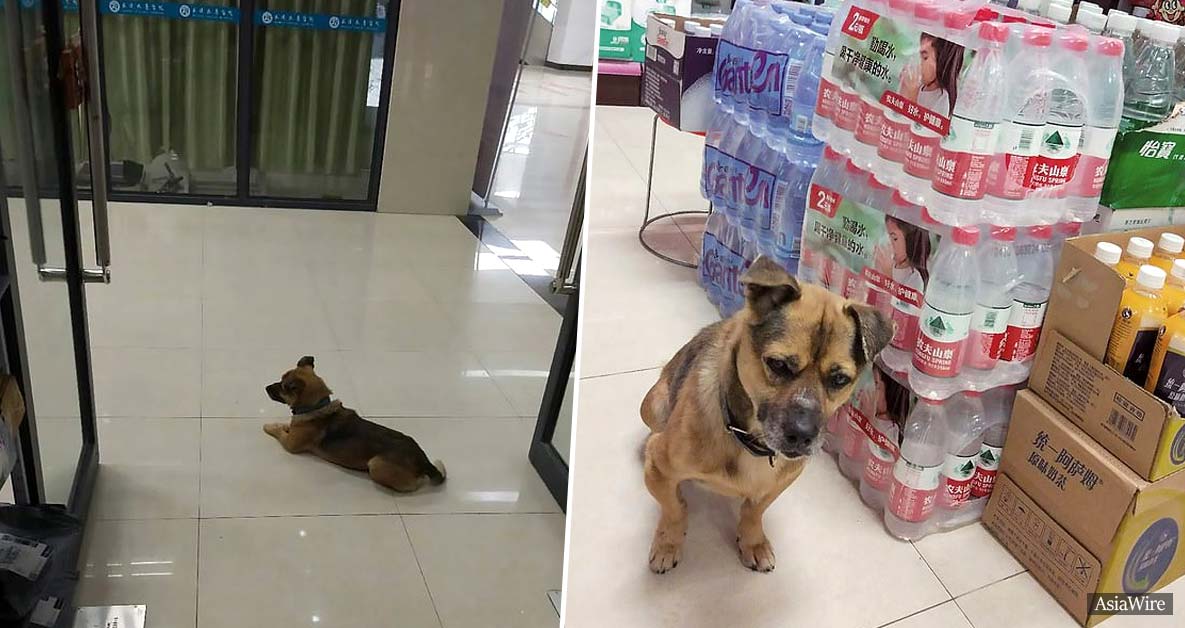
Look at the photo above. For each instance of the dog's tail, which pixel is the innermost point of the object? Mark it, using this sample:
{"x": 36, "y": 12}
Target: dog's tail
{"x": 436, "y": 472}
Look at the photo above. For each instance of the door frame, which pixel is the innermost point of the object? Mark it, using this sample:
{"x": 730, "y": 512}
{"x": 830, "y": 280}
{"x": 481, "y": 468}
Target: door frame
{"x": 546, "y": 459}
{"x": 244, "y": 138}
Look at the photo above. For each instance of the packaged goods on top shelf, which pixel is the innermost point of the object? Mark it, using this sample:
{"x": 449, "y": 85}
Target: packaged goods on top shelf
{"x": 759, "y": 153}
{"x": 981, "y": 121}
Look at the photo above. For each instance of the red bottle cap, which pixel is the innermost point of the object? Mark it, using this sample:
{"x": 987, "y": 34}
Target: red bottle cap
{"x": 927, "y": 11}
{"x": 901, "y": 5}
{"x": 1003, "y": 234}
{"x": 927, "y": 218}
{"x": 956, "y": 19}
{"x": 1070, "y": 229}
{"x": 900, "y": 200}
{"x": 986, "y": 14}
{"x": 1075, "y": 41}
{"x": 972, "y": 393}
{"x": 874, "y": 182}
{"x": 1110, "y": 47}
{"x": 831, "y": 153}
{"x": 1041, "y": 232}
{"x": 993, "y": 32}
{"x": 1037, "y": 36}
{"x": 965, "y": 235}
{"x": 852, "y": 168}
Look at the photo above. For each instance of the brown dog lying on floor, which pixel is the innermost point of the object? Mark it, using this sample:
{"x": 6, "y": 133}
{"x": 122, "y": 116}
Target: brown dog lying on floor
{"x": 739, "y": 408}
{"x": 328, "y": 430}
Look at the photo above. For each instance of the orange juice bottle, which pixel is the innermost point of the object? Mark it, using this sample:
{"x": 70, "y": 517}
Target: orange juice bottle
{"x": 1138, "y": 253}
{"x": 1174, "y": 288}
{"x": 1168, "y": 248}
{"x": 1137, "y": 323}
{"x": 1108, "y": 253}
{"x": 1166, "y": 376}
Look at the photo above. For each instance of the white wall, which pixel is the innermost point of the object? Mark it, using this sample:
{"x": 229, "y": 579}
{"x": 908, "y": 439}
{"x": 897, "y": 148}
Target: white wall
{"x": 574, "y": 33}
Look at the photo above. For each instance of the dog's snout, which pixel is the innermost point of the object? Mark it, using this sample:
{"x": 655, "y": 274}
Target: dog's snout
{"x": 797, "y": 425}
{"x": 273, "y": 392}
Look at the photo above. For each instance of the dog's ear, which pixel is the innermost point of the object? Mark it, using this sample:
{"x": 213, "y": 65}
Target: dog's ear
{"x": 874, "y": 330}
{"x": 768, "y": 286}
{"x": 306, "y": 361}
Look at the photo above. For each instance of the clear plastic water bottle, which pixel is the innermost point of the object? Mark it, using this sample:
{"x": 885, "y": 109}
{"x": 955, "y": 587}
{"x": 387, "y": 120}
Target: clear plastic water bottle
{"x": 717, "y": 127}
{"x": 961, "y": 165}
{"x": 1026, "y": 109}
{"x": 878, "y": 464}
{"x": 797, "y": 167}
{"x": 1104, "y": 112}
{"x": 965, "y": 423}
{"x": 1034, "y": 259}
{"x": 806, "y": 92}
{"x": 913, "y": 492}
{"x": 1122, "y": 26}
{"x": 997, "y": 411}
{"x": 993, "y": 302}
{"x": 1062, "y": 137}
{"x": 752, "y": 172}
{"x": 822, "y": 123}
{"x": 1148, "y": 98}
{"x": 711, "y": 263}
{"x": 767, "y": 71}
{"x": 945, "y": 321}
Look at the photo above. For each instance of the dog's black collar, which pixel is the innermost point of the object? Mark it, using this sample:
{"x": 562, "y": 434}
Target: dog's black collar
{"x": 313, "y": 408}
{"x": 750, "y": 442}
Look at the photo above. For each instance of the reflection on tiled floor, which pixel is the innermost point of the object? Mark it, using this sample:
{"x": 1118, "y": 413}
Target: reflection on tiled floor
{"x": 540, "y": 161}
{"x": 200, "y": 515}
{"x": 837, "y": 567}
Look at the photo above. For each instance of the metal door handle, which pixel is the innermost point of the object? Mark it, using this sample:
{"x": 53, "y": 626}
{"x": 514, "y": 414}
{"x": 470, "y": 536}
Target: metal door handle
{"x": 96, "y": 145}
{"x": 96, "y": 142}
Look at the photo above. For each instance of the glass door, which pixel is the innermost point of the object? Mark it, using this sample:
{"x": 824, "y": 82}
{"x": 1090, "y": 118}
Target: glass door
{"x": 317, "y": 80}
{"x": 46, "y": 93}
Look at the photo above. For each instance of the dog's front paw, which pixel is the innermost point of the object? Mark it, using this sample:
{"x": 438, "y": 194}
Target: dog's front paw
{"x": 275, "y": 429}
{"x": 757, "y": 556}
{"x": 664, "y": 556}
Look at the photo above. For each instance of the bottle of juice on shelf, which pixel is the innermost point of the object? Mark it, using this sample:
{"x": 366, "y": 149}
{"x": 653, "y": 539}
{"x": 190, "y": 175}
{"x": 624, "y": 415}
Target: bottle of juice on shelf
{"x": 1108, "y": 253}
{"x": 965, "y": 424}
{"x": 961, "y": 164}
{"x": 1168, "y": 249}
{"x": 1034, "y": 260}
{"x": 945, "y": 321}
{"x": 993, "y": 301}
{"x": 1174, "y": 288}
{"x": 913, "y": 492}
{"x": 1137, "y": 323}
{"x": 1137, "y": 253}
{"x": 1166, "y": 375}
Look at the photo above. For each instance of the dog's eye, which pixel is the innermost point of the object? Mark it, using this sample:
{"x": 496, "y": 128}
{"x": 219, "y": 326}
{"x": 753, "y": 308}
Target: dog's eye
{"x": 839, "y": 380}
{"x": 778, "y": 367}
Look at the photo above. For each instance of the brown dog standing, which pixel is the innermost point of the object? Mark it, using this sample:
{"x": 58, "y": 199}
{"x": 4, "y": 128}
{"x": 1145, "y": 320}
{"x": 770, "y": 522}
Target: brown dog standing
{"x": 328, "y": 430}
{"x": 740, "y": 406}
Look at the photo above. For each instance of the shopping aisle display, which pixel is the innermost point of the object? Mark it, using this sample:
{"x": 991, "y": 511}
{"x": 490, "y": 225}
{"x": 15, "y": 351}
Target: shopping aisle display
{"x": 759, "y": 153}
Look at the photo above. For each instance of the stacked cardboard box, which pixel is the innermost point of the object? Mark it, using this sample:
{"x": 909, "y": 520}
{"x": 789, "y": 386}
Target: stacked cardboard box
{"x": 1091, "y": 493}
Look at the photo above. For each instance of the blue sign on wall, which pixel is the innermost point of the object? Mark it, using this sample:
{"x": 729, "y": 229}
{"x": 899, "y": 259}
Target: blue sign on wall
{"x": 321, "y": 21}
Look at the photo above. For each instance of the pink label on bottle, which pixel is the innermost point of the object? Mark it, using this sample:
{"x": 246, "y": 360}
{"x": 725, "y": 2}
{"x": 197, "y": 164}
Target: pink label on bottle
{"x": 854, "y": 437}
{"x": 905, "y": 324}
{"x": 1052, "y": 173}
{"x": 939, "y": 349}
{"x": 828, "y": 97}
{"x": 871, "y": 118}
{"x": 1024, "y": 331}
{"x": 1093, "y": 174}
{"x": 919, "y": 159}
{"x": 894, "y": 140}
{"x": 878, "y": 470}
{"x": 961, "y": 175}
{"x": 847, "y": 110}
{"x": 913, "y": 491}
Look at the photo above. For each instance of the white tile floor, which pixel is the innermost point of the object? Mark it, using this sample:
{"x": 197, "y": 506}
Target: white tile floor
{"x": 837, "y": 567}
{"x": 200, "y": 515}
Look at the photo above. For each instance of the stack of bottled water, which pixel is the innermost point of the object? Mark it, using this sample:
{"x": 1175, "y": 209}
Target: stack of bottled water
{"x": 759, "y": 151}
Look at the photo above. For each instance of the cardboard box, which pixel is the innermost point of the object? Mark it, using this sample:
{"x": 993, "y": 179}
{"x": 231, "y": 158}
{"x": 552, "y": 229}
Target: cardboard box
{"x": 1068, "y": 370}
{"x": 1078, "y": 518}
{"x": 677, "y": 73}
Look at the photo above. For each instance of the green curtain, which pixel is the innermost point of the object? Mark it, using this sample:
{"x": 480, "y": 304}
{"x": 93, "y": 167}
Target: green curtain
{"x": 311, "y": 94}
{"x": 171, "y": 85}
